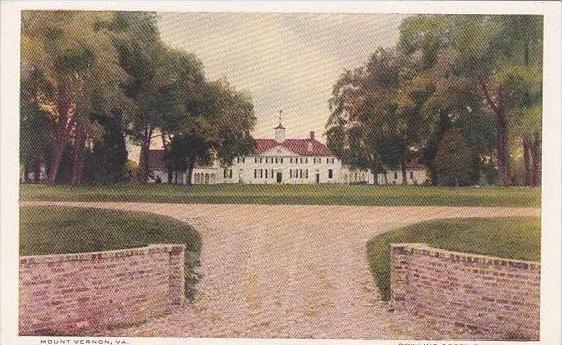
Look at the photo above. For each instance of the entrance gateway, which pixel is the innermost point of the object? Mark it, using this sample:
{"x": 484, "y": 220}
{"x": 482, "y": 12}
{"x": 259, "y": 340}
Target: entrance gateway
{"x": 279, "y": 177}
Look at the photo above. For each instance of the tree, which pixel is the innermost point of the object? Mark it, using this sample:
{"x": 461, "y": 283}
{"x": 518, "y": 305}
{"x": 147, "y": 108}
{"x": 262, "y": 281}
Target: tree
{"x": 520, "y": 41}
{"x": 106, "y": 158}
{"x": 375, "y": 122}
{"x": 36, "y": 126}
{"x": 487, "y": 52}
{"x": 216, "y": 125}
{"x": 73, "y": 51}
{"x": 452, "y": 160}
{"x": 142, "y": 55}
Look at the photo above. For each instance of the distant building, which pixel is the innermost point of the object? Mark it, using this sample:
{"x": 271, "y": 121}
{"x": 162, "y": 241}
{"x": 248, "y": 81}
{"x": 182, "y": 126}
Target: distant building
{"x": 285, "y": 161}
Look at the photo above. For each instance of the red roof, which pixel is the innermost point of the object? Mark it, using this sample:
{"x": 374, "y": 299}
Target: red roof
{"x": 415, "y": 164}
{"x": 302, "y": 147}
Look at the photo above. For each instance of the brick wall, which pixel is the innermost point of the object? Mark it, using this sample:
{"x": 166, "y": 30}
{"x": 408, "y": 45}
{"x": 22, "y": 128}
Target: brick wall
{"x": 84, "y": 293}
{"x": 496, "y": 298}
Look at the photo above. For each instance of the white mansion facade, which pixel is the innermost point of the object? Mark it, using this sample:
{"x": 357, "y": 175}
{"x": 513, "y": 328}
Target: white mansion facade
{"x": 285, "y": 161}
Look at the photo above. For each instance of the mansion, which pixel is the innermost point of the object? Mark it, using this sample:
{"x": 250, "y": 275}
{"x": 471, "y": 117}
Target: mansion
{"x": 285, "y": 161}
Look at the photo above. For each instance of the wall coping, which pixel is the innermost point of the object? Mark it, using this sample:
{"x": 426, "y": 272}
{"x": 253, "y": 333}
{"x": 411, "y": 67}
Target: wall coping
{"x": 426, "y": 250}
{"x": 101, "y": 255}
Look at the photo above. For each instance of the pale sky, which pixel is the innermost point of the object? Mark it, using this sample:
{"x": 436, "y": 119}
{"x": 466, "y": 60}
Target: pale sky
{"x": 286, "y": 61}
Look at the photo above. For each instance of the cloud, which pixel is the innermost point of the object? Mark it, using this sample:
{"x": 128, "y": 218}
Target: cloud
{"x": 286, "y": 61}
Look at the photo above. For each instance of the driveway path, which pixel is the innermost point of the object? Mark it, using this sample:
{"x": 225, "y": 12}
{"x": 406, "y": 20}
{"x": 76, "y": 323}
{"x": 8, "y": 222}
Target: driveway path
{"x": 290, "y": 271}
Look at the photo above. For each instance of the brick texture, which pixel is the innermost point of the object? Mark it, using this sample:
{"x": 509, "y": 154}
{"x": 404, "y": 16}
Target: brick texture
{"x": 75, "y": 294}
{"x": 495, "y": 297}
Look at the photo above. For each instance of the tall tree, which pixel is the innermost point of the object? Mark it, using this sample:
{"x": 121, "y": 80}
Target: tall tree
{"x": 520, "y": 41}
{"x": 74, "y": 52}
{"x": 481, "y": 50}
{"x": 141, "y": 54}
{"x": 216, "y": 126}
{"x": 452, "y": 160}
{"x": 375, "y": 122}
{"x": 36, "y": 124}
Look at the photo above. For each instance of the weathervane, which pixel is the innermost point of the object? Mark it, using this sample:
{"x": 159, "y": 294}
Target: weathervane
{"x": 280, "y": 114}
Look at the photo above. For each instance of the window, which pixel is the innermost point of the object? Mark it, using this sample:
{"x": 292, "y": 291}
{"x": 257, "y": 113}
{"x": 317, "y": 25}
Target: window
{"x": 255, "y": 159}
{"x": 243, "y": 160}
{"x": 255, "y": 173}
{"x": 291, "y": 173}
{"x": 330, "y": 173}
{"x": 224, "y": 174}
{"x": 265, "y": 173}
{"x": 395, "y": 175}
{"x": 281, "y": 160}
{"x": 306, "y": 160}
{"x": 306, "y": 173}
{"x": 411, "y": 175}
{"x": 230, "y": 173}
{"x": 271, "y": 173}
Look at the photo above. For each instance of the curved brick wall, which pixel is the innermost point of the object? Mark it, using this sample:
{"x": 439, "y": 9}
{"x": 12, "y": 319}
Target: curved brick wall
{"x": 83, "y": 293}
{"x": 495, "y": 297}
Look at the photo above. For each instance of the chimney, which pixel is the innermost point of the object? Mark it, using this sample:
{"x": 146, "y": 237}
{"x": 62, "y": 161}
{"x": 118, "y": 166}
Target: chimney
{"x": 312, "y": 135}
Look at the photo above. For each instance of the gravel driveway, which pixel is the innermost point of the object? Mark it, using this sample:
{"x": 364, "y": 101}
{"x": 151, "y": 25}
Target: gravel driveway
{"x": 290, "y": 271}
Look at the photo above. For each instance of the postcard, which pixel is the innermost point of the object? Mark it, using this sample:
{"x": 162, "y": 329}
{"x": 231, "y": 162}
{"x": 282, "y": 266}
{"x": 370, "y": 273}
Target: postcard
{"x": 366, "y": 172}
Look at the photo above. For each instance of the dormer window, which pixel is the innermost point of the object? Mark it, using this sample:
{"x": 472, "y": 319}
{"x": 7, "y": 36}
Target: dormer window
{"x": 309, "y": 147}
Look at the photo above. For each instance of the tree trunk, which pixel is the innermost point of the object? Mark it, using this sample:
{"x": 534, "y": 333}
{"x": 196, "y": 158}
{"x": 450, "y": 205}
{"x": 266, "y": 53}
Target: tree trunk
{"x": 404, "y": 174}
{"x": 536, "y": 154}
{"x": 64, "y": 125}
{"x": 23, "y": 168}
{"x": 81, "y": 133}
{"x": 502, "y": 148}
{"x": 501, "y": 136}
{"x": 37, "y": 169}
{"x": 190, "y": 165}
{"x": 170, "y": 176}
{"x": 527, "y": 160}
{"x": 142, "y": 173}
{"x": 165, "y": 146}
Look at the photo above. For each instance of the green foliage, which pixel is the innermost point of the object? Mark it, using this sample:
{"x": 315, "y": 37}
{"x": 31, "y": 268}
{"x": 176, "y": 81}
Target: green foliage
{"x": 372, "y": 122}
{"x": 479, "y": 74}
{"x": 122, "y": 79}
{"x": 452, "y": 160}
{"x": 106, "y": 163}
{"x": 512, "y": 238}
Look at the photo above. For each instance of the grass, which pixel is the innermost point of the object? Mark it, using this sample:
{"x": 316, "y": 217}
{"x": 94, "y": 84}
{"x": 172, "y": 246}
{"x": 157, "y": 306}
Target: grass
{"x": 291, "y": 194}
{"x": 60, "y": 230}
{"x": 512, "y": 238}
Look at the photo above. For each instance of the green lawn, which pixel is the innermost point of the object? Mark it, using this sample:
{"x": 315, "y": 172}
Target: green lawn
{"x": 513, "y": 238}
{"x": 58, "y": 230}
{"x": 291, "y": 194}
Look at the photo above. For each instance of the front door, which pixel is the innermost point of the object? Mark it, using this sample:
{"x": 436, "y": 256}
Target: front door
{"x": 317, "y": 178}
{"x": 279, "y": 176}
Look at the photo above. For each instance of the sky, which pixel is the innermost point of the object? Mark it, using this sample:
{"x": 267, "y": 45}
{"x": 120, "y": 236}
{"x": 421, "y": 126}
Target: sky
{"x": 285, "y": 61}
